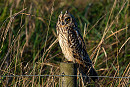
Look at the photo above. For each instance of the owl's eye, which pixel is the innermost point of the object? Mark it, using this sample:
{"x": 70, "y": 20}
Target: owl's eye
{"x": 59, "y": 19}
{"x": 67, "y": 20}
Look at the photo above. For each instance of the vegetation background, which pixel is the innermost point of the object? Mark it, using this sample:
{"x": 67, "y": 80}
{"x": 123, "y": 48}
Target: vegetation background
{"x": 28, "y": 40}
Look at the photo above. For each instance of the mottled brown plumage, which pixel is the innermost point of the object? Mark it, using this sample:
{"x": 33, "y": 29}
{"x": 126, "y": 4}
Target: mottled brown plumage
{"x": 72, "y": 44}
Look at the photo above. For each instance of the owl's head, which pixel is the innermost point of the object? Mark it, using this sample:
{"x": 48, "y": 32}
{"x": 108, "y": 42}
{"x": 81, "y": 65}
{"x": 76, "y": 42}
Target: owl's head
{"x": 66, "y": 19}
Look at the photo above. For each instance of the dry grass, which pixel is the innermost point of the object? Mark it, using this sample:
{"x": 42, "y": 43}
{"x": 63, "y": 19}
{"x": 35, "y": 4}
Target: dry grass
{"x": 28, "y": 41}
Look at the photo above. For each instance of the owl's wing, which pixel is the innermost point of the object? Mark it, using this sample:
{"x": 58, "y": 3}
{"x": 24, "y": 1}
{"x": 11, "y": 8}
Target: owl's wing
{"x": 76, "y": 42}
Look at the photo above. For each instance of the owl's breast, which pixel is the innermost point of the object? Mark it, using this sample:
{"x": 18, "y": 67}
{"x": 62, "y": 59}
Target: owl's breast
{"x": 66, "y": 50}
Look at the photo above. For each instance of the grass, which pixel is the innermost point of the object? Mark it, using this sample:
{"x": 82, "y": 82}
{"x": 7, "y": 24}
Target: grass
{"x": 28, "y": 44}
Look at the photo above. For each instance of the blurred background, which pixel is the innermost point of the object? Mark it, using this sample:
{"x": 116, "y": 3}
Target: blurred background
{"x": 28, "y": 40}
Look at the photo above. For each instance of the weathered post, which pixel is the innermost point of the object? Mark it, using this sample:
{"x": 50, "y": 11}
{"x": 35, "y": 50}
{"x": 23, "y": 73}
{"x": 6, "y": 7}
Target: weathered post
{"x": 68, "y": 69}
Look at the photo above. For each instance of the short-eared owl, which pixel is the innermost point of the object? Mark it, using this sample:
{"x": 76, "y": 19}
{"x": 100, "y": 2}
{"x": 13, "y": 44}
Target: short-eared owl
{"x": 72, "y": 44}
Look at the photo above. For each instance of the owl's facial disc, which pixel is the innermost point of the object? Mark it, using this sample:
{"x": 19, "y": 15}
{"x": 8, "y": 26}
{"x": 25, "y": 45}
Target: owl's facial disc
{"x": 65, "y": 19}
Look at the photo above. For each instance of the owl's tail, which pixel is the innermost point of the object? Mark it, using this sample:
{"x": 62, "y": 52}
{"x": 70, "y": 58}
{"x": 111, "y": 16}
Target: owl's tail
{"x": 93, "y": 74}
{"x": 89, "y": 72}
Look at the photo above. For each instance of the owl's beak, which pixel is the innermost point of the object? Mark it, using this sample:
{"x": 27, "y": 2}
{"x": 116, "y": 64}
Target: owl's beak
{"x": 62, "y": 23}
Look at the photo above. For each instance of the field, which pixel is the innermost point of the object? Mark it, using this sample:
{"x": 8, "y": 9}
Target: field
{"x": 28, "y": 44}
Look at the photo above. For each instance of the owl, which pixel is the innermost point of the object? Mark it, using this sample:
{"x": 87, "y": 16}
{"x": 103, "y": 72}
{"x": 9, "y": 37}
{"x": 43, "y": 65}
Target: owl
{"x": 72, "y": 44}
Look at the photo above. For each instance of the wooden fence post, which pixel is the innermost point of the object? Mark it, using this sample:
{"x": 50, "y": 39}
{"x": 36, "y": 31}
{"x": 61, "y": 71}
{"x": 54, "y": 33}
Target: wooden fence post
{"x": 68, "y": 69}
